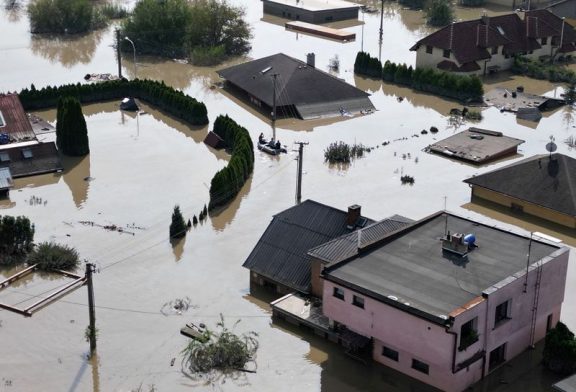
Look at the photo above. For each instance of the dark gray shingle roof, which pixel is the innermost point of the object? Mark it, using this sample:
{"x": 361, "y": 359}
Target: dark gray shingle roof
{"x": 547, "y": 182}
{"x": 32, "y": 160}
{"x": 281, "y": 252}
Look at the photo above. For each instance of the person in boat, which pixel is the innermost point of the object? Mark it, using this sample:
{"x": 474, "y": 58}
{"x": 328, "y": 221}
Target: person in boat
{"x": 277, "y": 145}
{"x": 271, "y": 143}
{"x": 261, "y": 138}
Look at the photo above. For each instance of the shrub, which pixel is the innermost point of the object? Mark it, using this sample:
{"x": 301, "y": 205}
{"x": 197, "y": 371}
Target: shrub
{"x": 113, "y": 11}
{"x": 71, "y": 130}
{"x": 51, "y": 256}
{"x": 63, "y": 16}
{"x": 340, "y": 152}
{"x": 560, "y": 350}
{"x": 177, "y": 226}
{"x": 16, "y": 237}
{"x": 439, "y": 12}
{"x": 208, "y": 56}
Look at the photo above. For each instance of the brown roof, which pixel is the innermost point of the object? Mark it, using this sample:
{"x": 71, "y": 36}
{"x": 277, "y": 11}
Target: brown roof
{"x": 31, "y": 160}
{"x": 16, "y": 123}
{"x": 470, "y": 40}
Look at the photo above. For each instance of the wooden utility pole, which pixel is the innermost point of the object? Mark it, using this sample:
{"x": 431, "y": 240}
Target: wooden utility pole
{"x": 299, "y": 178}
{"x": 381, "y": 30}
{"x": 118, "y": 53}
{"x": 92, "y": 328}
{"x": 274, "y": 76}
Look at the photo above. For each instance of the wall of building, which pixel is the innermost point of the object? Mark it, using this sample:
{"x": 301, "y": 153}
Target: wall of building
{"x": 528, "y": 208}
{"x": 299, "y": 13}
{"x": 416, "y": 338}
{"x": 317, "y": 283}
{"x": 260, "y": 280}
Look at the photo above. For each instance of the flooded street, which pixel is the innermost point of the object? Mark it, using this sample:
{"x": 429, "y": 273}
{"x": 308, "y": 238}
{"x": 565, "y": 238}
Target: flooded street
{"x": 140, "y": 166}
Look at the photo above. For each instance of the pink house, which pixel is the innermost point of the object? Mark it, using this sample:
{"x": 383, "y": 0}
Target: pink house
{"x": 445, "y": 300}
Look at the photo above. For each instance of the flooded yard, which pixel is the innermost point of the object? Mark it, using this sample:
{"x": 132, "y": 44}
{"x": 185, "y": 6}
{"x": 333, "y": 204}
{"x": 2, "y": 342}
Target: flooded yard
{"x": 140, "y": 166}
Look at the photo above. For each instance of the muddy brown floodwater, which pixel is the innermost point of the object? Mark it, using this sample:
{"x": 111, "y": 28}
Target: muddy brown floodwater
{"x": 141, "y": 166}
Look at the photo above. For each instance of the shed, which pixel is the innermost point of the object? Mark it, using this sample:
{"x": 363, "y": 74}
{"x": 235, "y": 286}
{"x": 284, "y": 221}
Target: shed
{"x": 214, "y": 141}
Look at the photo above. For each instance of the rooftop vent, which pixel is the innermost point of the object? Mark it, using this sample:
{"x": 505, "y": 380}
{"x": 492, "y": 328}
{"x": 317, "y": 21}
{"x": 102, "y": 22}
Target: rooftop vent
{"x": 353, "y": 216}
{"x": 311, "y": 60}
{"x": 458, "y": 243}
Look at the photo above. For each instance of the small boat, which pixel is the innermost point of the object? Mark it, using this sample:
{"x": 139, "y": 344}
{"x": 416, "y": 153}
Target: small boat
{"x": 270, "y": 147}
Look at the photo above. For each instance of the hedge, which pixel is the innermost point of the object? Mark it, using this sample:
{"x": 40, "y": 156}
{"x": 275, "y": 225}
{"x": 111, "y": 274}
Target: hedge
{"x": 227, "y": 182}
{"x": 543, "y": 70}
{"x": 461, "y": 87}
{"x": 164, "y": 97}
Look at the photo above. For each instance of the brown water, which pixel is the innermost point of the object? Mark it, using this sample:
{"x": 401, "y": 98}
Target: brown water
{"x": 141, "y": 166}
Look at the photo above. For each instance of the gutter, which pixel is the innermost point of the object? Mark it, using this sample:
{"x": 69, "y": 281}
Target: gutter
{"x": 454, "y": 347}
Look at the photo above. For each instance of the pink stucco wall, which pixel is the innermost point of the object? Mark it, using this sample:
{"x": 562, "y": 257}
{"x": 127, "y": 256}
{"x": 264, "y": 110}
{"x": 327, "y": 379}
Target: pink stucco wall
{"x": 417, "y": 338}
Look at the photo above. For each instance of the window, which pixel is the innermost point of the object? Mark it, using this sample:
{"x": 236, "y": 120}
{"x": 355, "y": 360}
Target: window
{"x": 27, "y": 153}
{"x": 358, "y": 301}
{"x": 497, "y": 356}
{"x": 389, "y": 353}
{"x": 516, "y": 207}
{"x": 4, "y": 157}
{"x": 339, "y": 293}
{"x": 544, "y": 41}
{"x": 502, "y": 313}
{"x": 446, "y": 53}
{"x": 549, "y": 322}
{"x": 429, "y": 49}
{"x": 420, "y": 366}
{"x": 468, "y": 334}
{"x": 495, "y": 50}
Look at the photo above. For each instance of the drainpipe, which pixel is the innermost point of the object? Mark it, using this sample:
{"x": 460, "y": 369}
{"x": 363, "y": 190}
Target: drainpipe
{"x": 485, "y": 335}
{"x": 454, "y": 347}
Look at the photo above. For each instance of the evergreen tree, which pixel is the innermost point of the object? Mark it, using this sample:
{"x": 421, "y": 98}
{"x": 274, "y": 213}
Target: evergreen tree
{"x": 439, "y": 12}
{"x": 71, "y": 130}
{"x": 178, "y": 226}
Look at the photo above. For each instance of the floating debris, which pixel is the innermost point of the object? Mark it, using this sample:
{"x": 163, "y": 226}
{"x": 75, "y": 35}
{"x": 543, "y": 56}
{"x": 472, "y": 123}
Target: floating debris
{"x": 177, "y": 306}
{"x": 111, "y": 227}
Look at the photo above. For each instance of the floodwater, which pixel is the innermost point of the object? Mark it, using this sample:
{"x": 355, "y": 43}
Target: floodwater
{"x": 141, "y": 166}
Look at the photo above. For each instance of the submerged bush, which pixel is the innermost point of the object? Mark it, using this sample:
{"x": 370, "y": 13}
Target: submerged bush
{"x": 64, "y": 16}
{"x": 340, "y": 152}
{"x": 560, "y": 350}
{"x": 51, "y": 256}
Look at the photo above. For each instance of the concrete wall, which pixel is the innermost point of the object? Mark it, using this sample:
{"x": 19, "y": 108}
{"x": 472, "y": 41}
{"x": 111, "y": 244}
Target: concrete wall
{"x": 260, "y": 280}
{"x": 299, "y": 13}
{"x": 528, "y": 208}
{"x": 416, "y": 338}
{"x": 317, "y": 283}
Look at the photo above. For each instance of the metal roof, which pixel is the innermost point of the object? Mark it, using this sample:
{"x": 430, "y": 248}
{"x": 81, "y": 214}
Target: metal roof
{"x": 281, "y": 252}
{"x": 566, "y": 385}
{"x": 5, "y": 178}
{"x": 545, "y": 180}
{"x": 17, "y": 124}
{"x": 408, "y": 269}
{"x": 317, "y": 5}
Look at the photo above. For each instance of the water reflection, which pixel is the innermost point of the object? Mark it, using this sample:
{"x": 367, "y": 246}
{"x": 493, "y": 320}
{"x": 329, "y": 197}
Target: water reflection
{"x": 14, "y": 10}
{"x": 178, "y": 247}
{"x": 77, "y": 177}
{"x": 223, "y": 216}
{"x": 67, "y": 50}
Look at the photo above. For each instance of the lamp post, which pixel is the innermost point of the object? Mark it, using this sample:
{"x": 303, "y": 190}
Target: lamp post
{"x": 562, "y": 33}
{"x": 134, "y": 49}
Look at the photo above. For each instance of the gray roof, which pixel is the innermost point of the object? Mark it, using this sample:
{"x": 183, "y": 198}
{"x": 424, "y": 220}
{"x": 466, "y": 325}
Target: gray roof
{"x": 542, "y": 180}
{"x": 317, "y": 5}
{"x": 347, "y": 245}
{"x": 409, "y": 270}
{"x": 476, "y": 145}
{"x": 566, "y": 385}
{"x": 296, "y": 84}
{"x": 281, "y": 252}
{"x": 5, "y": 178}
{"x": 31, "y": 160}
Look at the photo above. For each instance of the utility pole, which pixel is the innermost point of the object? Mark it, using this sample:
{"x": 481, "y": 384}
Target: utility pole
{"x": 274, "y": 76}
{"x": 299, "y": 178}
{"x": 381, "y": 31}
{"x": 92, "y": 328}
{"x": 118, "y": 53}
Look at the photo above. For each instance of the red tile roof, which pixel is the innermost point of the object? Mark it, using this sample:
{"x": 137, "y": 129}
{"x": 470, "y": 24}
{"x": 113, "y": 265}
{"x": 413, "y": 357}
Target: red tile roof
{"x": 470, "y": 40}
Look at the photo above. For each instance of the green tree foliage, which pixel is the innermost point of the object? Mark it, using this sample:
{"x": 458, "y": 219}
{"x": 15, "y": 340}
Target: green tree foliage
{"x": 51, "y": 256}
{"x": 560, "y": 350}
{"x": 461, "y": 87}
{"x": 16, "y": 237}
{"x": 367, "y": 65}
{"x": 439, "y": 12}
{"x": 206, "y": 31}
{"x": 177, "y": 226}
{"x": 413, "y": 4}
{"x": 172, "y": 101}
{"x": 227, "y": 182}
{"x": 543, "y": 70}
{"x": 71, "y": 130}
{"x": 64, "y": 16}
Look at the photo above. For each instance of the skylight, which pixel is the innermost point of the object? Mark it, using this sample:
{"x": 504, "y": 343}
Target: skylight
{"x": 2, "y": 121}
{"x": 500, "y": 30}
{"x": 265, "y": 70}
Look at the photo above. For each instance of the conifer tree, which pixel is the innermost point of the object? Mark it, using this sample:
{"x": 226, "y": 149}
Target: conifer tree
{"x": 71, "y": 130}
{"x": 178, "y": 226}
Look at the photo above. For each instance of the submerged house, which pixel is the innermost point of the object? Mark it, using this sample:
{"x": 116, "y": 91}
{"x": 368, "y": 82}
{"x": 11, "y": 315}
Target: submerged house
{"x": 543, "y": 186}
{"x": 489, "y": 44}
{"x": 446, "y": 300}
{"x": 20, "y": 150}
{"x": 294, "y": 88}
{"x": 312, "y": 11}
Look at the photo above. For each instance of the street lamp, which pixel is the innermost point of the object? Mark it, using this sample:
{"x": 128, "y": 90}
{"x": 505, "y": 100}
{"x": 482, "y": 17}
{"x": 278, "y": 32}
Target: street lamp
{"x": 134, "y": 49}
{"x": 562, "y": 33}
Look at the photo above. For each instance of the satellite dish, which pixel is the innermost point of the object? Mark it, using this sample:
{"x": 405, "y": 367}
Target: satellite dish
{"x": 551, "y": 147}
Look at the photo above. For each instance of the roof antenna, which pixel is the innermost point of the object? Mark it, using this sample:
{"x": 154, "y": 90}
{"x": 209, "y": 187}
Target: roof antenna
{"x": 445, "y": 218}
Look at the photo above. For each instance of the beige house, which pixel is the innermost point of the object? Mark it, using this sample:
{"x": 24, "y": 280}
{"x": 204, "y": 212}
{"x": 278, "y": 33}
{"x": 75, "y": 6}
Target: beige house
{"x": 489, "y": 44}
{"x": 543, "y": 186}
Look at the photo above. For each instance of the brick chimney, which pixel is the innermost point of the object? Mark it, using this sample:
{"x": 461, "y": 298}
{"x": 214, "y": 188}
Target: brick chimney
{"x": 353, "y": 216}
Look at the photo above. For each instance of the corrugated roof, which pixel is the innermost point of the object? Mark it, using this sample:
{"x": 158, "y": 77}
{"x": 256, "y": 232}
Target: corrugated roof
{"x": 296, "y": 83}
{"x": 547, "y": 182}
{"x": 17, "y": 124}
{"x": 5, "y": 178}
{"x": 281, "y": 253}
{"x": 42, "y": 158}
{"x": 334, "y": 108}
{"x": 347, "y": 245}
{"x": 566, "y": 385}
